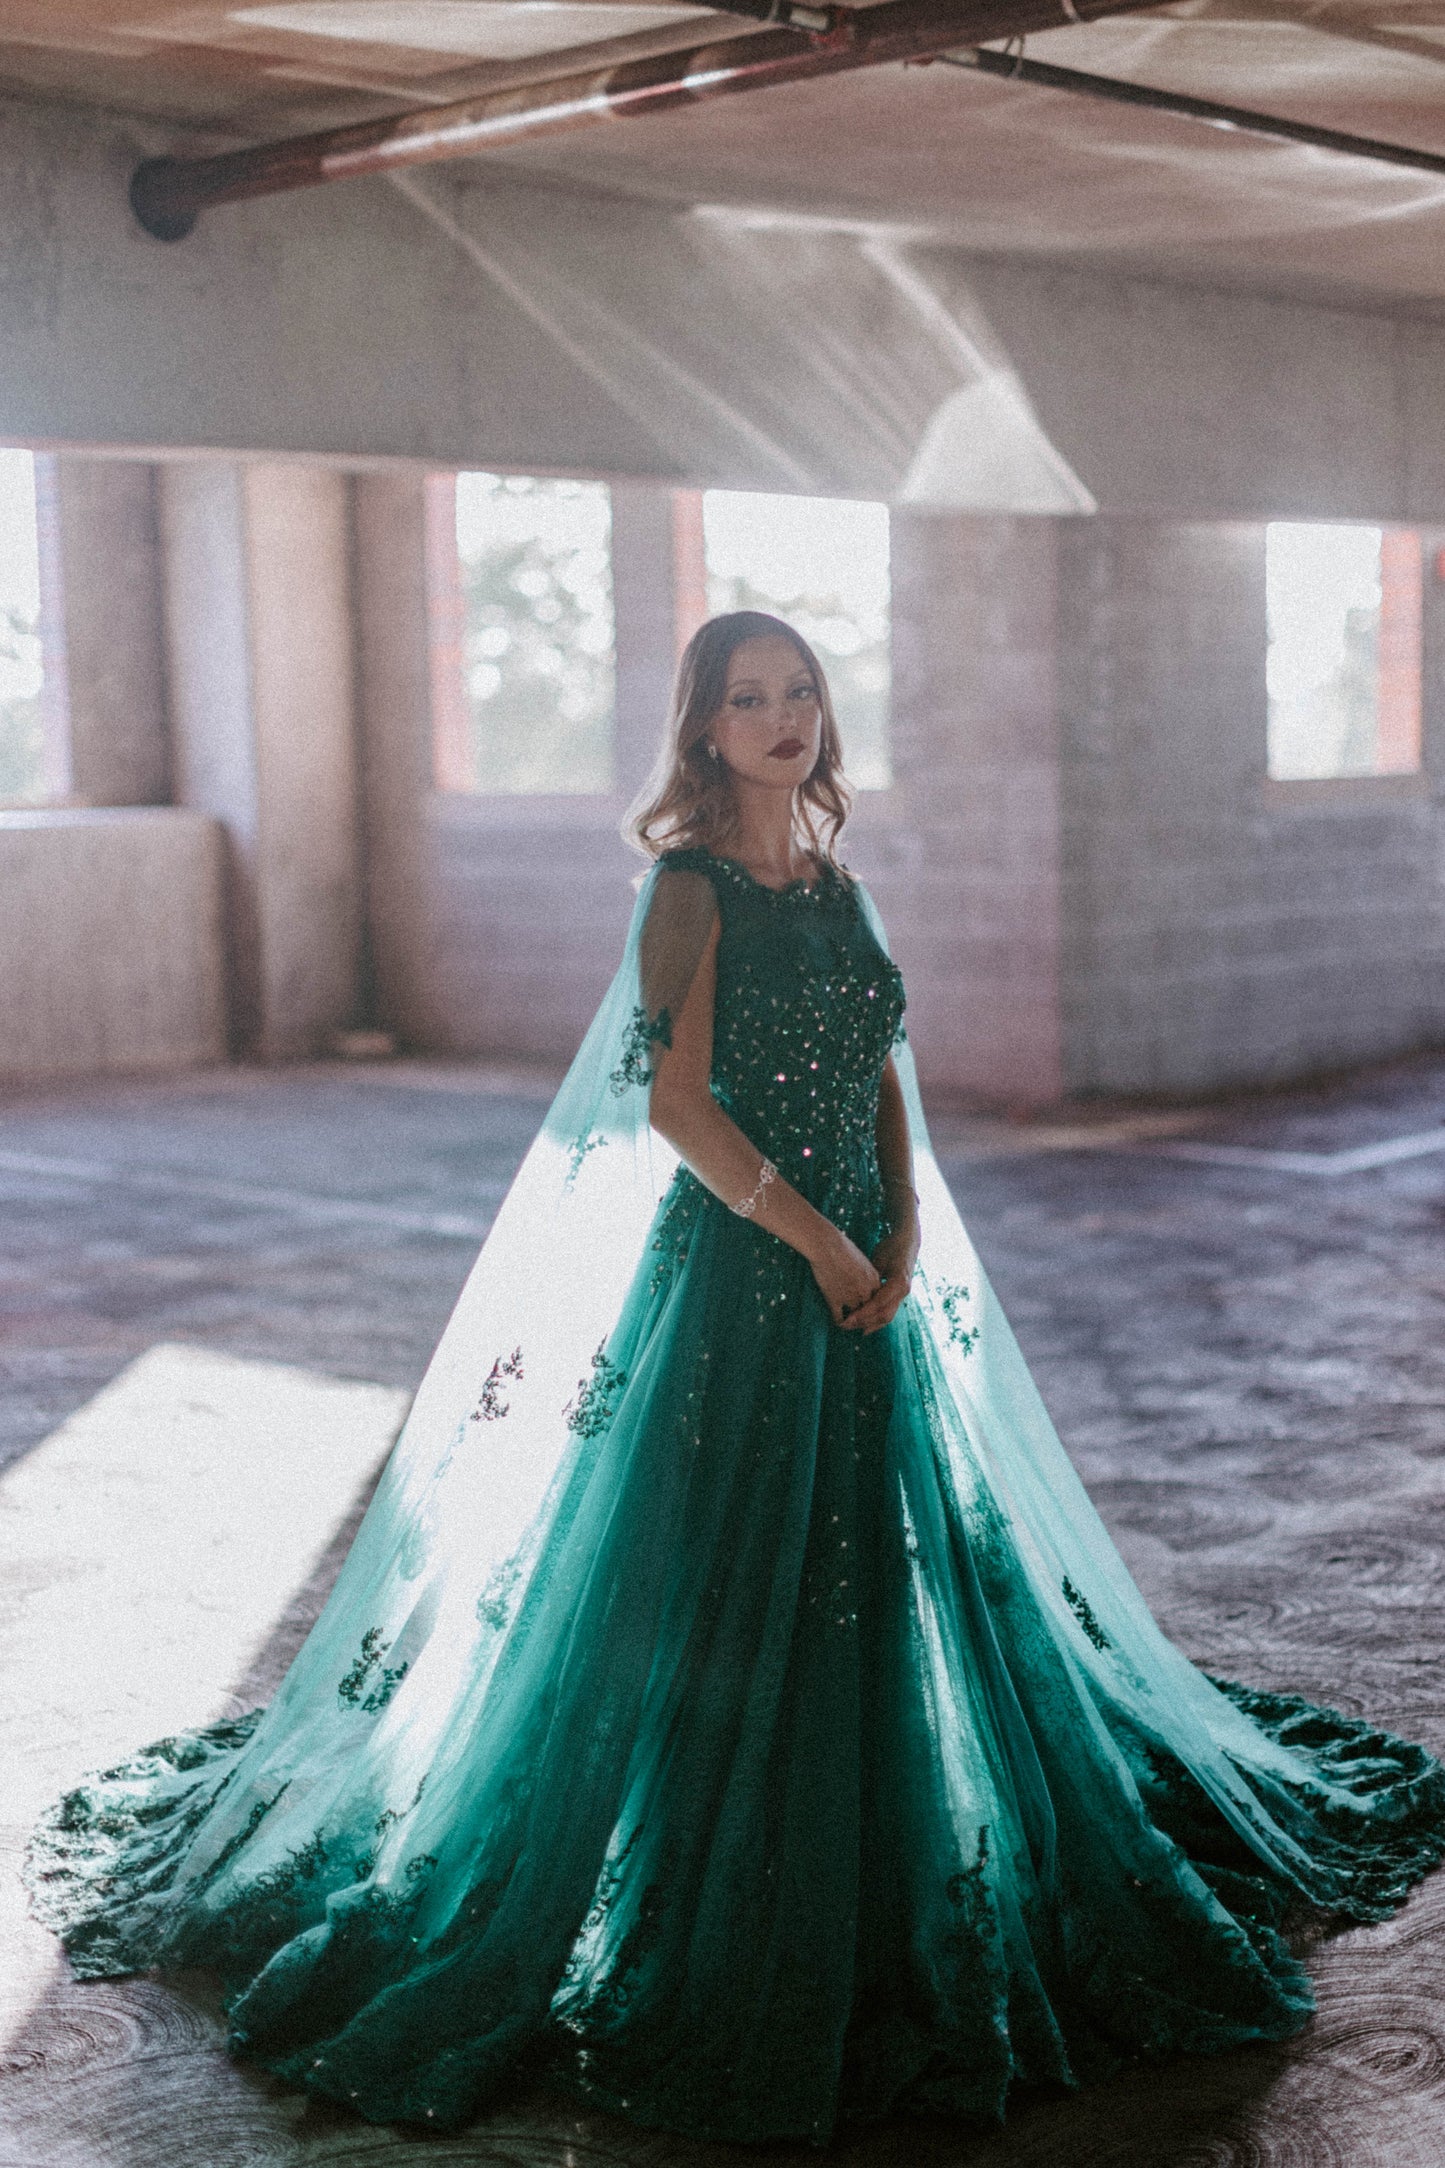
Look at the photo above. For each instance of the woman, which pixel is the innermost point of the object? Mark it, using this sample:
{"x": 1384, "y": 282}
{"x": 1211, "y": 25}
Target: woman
{"x": 758, "y": 1731}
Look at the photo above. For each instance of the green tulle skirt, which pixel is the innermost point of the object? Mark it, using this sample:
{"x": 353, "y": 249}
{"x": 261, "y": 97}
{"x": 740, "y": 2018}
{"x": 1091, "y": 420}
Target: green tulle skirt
{"x": 792, "y": 1791}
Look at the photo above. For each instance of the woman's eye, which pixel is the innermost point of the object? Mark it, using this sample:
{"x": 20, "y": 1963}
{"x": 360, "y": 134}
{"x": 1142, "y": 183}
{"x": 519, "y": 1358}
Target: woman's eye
{"x": 744, "y": 700}
{"x": 802, "y": 692}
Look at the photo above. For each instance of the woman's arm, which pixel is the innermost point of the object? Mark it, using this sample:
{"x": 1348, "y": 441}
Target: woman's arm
{"x": 897, "y": 1254}
{"x": 684, "y": 1111}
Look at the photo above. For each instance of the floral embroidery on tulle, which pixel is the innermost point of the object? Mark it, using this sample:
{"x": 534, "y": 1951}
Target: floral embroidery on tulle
{"x": 370, "y": 1684}
{"x": 675, "y": 1224}
{"x": 952, "y": 1300}
{"x": 246, "y": 1832}
{"x": 494, "y": 1605}
{"x": 389, "y": 1816}
{"x": 491, "y": 1407}
{"x": 590, "y": 1413}
{"x": 643, "y": 1033}
{"x": 582, "y": 1998}
{"x": 578, "y": 1150}
{"x": 1083, "y": 1611}
{"x": 298, "y": 1866}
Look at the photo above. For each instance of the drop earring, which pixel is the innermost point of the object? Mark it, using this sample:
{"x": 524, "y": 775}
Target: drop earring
{"x": 711, "y": 751}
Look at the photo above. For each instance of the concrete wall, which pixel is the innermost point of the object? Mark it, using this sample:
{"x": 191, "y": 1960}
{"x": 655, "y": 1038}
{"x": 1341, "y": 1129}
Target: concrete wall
{"x": 464, "y": 316}
{"x": 110, "y": 942}
{"x": 1089, "y": 882}
{"x": 1220, "y": 928}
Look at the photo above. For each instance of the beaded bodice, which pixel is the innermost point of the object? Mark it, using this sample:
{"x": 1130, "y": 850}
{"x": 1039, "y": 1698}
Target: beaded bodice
{"x": 807, "y": 1008}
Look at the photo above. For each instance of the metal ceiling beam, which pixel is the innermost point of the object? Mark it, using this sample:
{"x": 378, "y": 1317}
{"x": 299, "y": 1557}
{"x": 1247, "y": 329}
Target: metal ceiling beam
{"x": 167, "y": 194}
{"x": 1238, "y": 119}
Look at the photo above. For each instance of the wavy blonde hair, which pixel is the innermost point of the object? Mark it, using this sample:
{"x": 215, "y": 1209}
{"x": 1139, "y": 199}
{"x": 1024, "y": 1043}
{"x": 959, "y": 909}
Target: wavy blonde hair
{"x": 689, "y": 800}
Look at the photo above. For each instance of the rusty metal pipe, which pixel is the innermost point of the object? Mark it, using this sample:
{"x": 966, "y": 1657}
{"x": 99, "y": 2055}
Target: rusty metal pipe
{"x": 167, "y": 194}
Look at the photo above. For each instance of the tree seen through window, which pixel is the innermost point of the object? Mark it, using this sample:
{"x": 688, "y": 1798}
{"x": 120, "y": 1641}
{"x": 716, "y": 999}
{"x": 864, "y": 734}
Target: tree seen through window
{"x": 538, "y": 662}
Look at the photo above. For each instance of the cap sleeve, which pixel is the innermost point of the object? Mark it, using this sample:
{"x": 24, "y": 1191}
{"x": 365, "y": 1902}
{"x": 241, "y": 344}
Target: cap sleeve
{"x": 674, "y": 936}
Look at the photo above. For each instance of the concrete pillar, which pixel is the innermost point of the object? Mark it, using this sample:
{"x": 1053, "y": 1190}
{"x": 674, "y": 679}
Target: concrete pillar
{"x": 969, "y": 867}
{"x": 394, "y": 689}
{"x": 645, "y": 614}
{"x": 259, "y": 642}
{"x": 105, "y": 580}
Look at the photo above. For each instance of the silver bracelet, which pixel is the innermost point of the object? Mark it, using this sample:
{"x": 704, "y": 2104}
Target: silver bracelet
{"x": 749, "y": 1205}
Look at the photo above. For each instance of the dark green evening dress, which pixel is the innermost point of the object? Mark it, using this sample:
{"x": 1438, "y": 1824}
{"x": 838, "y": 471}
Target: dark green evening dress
{"x": 745, "y": 1724}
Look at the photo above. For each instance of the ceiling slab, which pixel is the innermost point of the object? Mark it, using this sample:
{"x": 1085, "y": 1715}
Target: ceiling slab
{"x": 930, "y": 151}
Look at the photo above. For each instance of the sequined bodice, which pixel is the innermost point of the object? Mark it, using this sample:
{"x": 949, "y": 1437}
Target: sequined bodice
{"x": 808, "y": 1006}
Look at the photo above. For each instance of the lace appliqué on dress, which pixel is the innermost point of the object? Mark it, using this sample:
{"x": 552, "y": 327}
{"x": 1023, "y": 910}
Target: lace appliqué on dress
{"x": 951, "y": 1301}
{"x": 643, "y": 1033}
{"x": 369, "y": 1684}
{"x": 491, "y": 1407}
{"x": 590, "y": 1413}
{"x": 1083, "y": 1611}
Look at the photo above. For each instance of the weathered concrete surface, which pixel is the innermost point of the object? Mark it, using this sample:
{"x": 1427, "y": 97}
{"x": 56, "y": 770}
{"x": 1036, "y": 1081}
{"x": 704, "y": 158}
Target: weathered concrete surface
{"x": 259, "y": 636}
{"x": 104, "y": 597}
{"x": 1218, "y": 928}
{"x": 964, "y": 849}
{"x": 1245, "y": 1360}
{"x": 110, "y": 941}
{"x": 1088, "y": 880}
{"x": 565, "y": 324}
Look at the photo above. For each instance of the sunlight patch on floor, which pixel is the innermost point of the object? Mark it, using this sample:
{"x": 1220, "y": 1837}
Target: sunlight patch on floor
{"x": 147, "y": 1549}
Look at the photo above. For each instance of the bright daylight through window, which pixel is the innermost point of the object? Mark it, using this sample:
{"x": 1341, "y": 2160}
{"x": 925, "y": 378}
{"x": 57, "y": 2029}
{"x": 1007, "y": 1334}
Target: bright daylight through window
{"x": 1343, "y": 607}
{"x": 823, "y": 565}
{"x": 22, "y": 754}
{"x": 537, "y": 658}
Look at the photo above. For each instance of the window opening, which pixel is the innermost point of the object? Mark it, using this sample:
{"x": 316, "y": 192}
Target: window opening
{"x": 821, "y": 563}
{"x": 537, "y": 634}
{"x": 24, "y": 777}
{"x": 1343, "y": 673}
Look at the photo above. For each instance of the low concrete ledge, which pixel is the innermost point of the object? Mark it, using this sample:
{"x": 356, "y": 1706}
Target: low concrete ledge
{"x": 111, "y": 947}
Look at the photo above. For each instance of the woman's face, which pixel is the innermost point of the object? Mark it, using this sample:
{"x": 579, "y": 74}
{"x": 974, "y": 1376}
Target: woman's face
{"x": 769, "y": 728}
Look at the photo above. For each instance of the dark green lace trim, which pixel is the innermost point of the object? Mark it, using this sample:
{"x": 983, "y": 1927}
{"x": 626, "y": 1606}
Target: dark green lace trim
{"x": 1083, "y": 1611}
{"x": 370, "y": 1684}
{"x": 495, "y": 1604}
{"x": 643, "y": 1033}
{"x": 590, "y": 1413}
{"x": 491, "y": 1407}
{"x": 1388, "y": 1831}
{"x": 952, "y": 1300}
{"x": 577, "y": 1152}
{"x": 110, "y": 1844}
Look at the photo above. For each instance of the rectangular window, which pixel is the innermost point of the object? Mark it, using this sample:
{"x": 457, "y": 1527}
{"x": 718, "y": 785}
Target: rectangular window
{"x": 536, "y": 635}
{"x": 821, "y": 564}
{"x": 1344, "y": 611}
{"x": 24, "y": 777}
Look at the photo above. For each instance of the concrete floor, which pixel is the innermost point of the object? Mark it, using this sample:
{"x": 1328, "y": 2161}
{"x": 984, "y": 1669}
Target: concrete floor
{"x": 1235, "y": 1315}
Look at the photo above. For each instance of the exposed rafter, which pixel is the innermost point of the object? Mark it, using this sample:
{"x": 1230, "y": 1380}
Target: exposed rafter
{"x": 1238, "y": 119}
{"x": 168, "y": 193}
